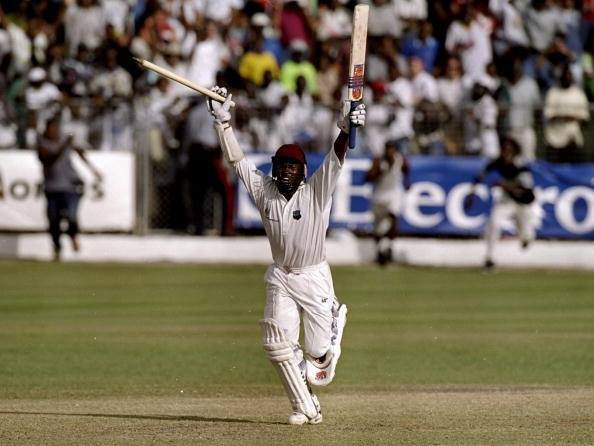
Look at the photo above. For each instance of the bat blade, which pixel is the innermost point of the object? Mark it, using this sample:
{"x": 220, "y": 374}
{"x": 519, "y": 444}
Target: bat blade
{"x": 357, "y": 62}
{"x": 358, "y": 50}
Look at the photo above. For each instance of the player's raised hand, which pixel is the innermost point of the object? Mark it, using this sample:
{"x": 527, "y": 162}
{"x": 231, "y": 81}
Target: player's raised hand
{"x": 220, "y": 111}
{"x": 358, "y": 115}
{"x": 355, "y": 117}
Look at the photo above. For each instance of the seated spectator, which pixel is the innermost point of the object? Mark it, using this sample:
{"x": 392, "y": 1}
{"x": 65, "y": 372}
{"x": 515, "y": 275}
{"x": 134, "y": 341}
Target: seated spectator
{"x": 566, "y": 108}
{"x": 422, "y": 45}
{"x": 255, "y": 62}
{"x": 299, "y": 66}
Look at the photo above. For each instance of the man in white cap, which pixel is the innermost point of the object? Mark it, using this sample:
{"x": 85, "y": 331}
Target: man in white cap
{"x": 41, "y": 94}
{"x": 295, "y": 213}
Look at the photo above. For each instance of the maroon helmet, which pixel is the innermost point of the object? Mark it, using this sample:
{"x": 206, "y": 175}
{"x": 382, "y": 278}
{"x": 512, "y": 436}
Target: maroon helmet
{"x": 286, "y": 182}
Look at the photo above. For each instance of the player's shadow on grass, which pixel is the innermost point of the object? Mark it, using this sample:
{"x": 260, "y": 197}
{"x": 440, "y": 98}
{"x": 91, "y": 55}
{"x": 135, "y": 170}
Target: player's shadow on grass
{"x": 144, "y": 417}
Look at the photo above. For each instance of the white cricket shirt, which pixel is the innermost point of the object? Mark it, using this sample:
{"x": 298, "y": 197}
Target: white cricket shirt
{"x": 296, "y": 228}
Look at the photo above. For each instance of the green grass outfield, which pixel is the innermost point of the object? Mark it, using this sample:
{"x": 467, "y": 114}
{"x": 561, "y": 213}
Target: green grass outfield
{"x": 170, "y": 354}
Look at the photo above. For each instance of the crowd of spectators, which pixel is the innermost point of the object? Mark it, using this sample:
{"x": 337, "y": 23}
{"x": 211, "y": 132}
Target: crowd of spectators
{"x": 442, "y": 77}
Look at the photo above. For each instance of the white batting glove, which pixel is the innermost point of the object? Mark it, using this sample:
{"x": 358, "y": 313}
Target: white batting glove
{"x": 220, "y": 111}
{"x": 349, "y": 118}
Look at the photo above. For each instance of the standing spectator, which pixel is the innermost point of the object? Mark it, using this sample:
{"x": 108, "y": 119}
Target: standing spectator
{"x": 483, "y": 114}
{"x": 112, "y": 89}
{"x": 334, "y": 21}
{"x": 299, "y": 66}
{"x": 295, "y": 121}
{"x": 41, "y": 95}
{"x": 384, "y": 19}
{"x": 210, "y": 56}
{"x": 566, "y": 108}
{"x": 422, "y": 45}
{"x": 521, "y": 103}
{"x": 451, "y": 94}
{"x": 542, "y": 23}
{"x": 380, "y": 114}
{"x": 469, "y": 38}
{"x": 84, "y": 23}
{"x": 401, "y": 95}
{"x": 512, "y": 32}
{"x": 390, "y": 176}
{"x": 62, "y": 184}
{"x": 204, "y": 172}
{"x": 423, "y": 84}
{"x": 411, "y": 10}
{"x": 295, "y": 25}
{"x": 19, "y": 45}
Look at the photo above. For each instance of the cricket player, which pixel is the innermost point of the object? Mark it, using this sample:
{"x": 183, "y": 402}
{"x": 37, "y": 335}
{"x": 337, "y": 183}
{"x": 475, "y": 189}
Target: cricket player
{"x": 295, "y": 212}
{"x": 390, "y": 176}
{"x": 515, "y": 200}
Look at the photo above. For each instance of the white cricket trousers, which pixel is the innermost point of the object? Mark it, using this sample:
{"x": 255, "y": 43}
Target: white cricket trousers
{"x": 307, "y": 292}
{"x": 502, "y": 211}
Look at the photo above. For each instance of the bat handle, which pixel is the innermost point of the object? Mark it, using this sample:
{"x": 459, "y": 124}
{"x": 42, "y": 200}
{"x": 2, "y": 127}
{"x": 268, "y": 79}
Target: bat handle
{"x": 353, "y": 129}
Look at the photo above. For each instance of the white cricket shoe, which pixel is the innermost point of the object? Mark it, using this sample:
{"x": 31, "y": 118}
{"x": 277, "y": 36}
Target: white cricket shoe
{"x": 298, "y": 418}
{"x": 322, "y": 374}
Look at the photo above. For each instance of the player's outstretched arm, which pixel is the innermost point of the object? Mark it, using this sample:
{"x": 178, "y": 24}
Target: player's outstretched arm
{"x": 355, "y": 118}
{"x": 222, "y": 124}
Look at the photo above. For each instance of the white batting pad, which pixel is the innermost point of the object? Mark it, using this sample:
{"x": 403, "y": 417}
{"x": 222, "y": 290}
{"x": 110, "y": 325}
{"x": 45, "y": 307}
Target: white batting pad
{"x": 322, "y": 374}
{"x": 280, "y": 353}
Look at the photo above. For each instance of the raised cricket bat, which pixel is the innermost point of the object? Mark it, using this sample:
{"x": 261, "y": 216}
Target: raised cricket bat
{"x": 174, "y": 77}
{"x": 357, "y": 63}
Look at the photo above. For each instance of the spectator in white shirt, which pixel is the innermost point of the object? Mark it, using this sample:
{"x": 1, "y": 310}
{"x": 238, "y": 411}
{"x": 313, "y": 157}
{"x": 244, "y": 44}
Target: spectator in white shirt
{"x": 512, "y": 32}
{"x": 566, "y": 108}
{"x": 484, "y": 114}
{"x": 334, "y": 21}
{"x": 523, "y": 101}
{"x": 423, "y": 84}
{"x": 209, "y": 56}
{"x": 469, "y": 38}
{"x": 400, "y": 94}
{"x": 84, "y": 23}
{"x": 543, "y": 21}
{"x": 40, "y": 95}
{"x": 411, "y": 10}
{"x": 384, "y": 19}
{"x": 451, "y": 94}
